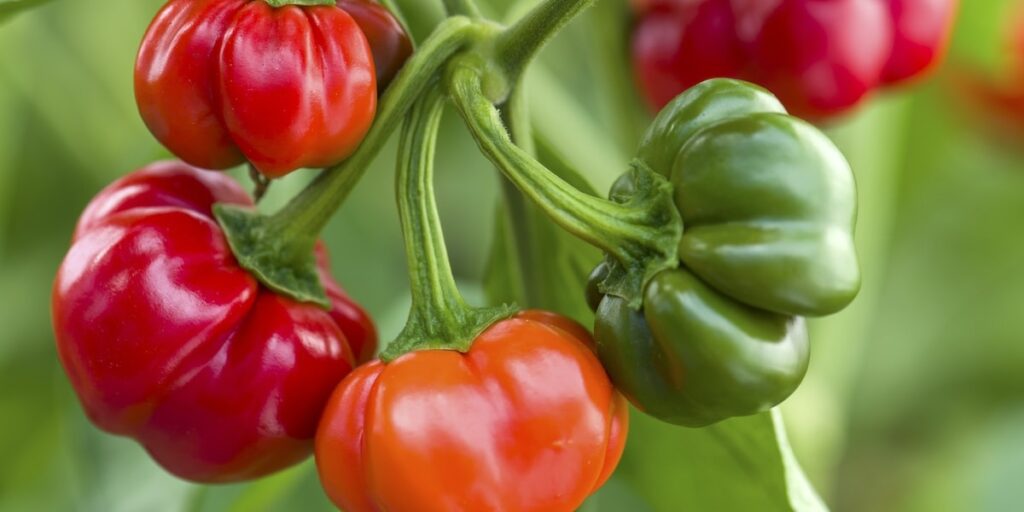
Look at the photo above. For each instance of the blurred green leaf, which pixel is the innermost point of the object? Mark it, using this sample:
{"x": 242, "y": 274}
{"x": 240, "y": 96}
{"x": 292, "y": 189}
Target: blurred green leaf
{"x": 739, "y": 464}
{"x": 8, "y": 8}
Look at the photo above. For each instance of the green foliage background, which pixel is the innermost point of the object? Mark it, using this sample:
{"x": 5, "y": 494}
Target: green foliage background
{"x": 915, "y": 401}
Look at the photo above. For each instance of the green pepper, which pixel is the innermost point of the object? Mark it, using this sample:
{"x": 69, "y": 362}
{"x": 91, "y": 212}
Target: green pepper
{"x": 694, "y": 356}
{"x": 768, "y": 206}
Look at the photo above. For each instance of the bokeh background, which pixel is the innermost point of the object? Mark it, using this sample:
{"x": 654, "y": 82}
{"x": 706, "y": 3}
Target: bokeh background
{"x": 915, "y": 399}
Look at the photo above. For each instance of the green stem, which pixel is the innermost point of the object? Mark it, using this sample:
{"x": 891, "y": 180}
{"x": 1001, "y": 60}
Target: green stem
{"x": 282, "y": 3}
{"x": 518, "y": 45}
{"x": 439, "y": 319}
{"x": 609, "y": 35}
{"x": 278, "y": 249}
{"x": 307, "y": 214}
{"x": 641, "y": 234}
{"x": 462, "y": 8}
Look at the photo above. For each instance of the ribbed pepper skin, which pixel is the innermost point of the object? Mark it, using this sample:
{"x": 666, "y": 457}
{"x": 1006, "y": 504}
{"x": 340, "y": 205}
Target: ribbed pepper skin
{"x": 768, "y": 206}
{"x": 220, "y": 82}
{"x": 527, "y": 420}
{"x": 167, "y": 340}
{"x": 820, "y": 57}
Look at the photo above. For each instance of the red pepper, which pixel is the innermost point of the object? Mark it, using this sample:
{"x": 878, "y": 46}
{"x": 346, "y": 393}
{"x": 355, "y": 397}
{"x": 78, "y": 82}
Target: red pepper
{"x": 820, "y": 57}
{"x": 223, "y": 81}
{"x": 921, "y": 30}
{"x": 168, "y": 341}
{"x": 388, "y": 40}
{"x": 701, "y": 36}
{"x": 527, "y": 420}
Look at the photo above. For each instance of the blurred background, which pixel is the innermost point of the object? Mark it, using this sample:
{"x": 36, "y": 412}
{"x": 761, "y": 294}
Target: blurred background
{"x": 915, "y": 398}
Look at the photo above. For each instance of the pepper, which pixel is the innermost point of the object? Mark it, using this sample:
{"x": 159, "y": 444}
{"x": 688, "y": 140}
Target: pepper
{"x": 469, "y": 408}
{"x": 168, "y": 341}
{"x": 922, "y": 29}
{"x": 812, "y": 54}
{"x": 530, "y": 422}
{"x": 768, "y": 207}
{"x": 388, "y": 40}
{"x": 220, "y": 82}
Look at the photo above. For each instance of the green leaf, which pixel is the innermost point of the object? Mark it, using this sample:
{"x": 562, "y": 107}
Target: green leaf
{"x": 571, "y": 133}
{"x": 739, "y": 464}
{"x": 8, "y": 8}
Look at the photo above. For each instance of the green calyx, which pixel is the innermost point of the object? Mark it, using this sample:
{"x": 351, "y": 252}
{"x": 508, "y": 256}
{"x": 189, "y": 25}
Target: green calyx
{"x": 658, "y": 220}
{"x": 285, "y": 264}
{"x": 282, "y": 3}
{"x": 440, "y": 319}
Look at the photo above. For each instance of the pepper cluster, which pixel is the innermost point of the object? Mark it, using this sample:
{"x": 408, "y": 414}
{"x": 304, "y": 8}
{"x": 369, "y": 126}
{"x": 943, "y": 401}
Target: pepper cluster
{"x": 820, "y": 57}
{"x": 166, "y": 333}
{"x": 215, "y": 335}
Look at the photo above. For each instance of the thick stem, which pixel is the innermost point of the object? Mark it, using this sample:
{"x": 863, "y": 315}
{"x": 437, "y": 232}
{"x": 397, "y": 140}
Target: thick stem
{"x": 618, "y": 229}
{"x": 305, "y": 215}
{"x": 278, "y": 249}
{"x": 517, "y": 46}
{"x": 440, "y": 319}
{"x": 282, "y": 3}
{"x": 641, "y": 234}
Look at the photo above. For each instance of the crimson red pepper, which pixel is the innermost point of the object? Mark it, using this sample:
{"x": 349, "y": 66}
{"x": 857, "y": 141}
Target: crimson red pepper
{"x": 995, "y": 101}
{"x": 168, "y": 341}
{"x": 920, "y": 36}
{"x": 223, "y": 81}
{"x": 526, "y": 420}
{"x": 820, "y": 57}
{"x": 390, "y": 43}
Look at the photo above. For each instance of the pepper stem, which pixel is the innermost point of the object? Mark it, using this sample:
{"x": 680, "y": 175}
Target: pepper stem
{"x": 278, "y": 249}
{"x": 440, "y": 319}
{"x": 641, "y": 234}
{"x": 281, "y": 3}
{"x": 518, "y": 45}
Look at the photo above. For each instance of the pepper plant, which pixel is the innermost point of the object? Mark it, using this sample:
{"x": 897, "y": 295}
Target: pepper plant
{"x": 213, "y": 334}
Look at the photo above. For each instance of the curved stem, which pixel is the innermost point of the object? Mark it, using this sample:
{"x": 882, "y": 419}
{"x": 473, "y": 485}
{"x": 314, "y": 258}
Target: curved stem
{"x": 439, "y": 319}
{"x": 278, "y": 249}
{"x": 618, "y": 229}
{"x": 307, "y": 213}
{"x": 517, "y": 46}
{"x": 641, "y": 234}
{"x": 282, "y": 3}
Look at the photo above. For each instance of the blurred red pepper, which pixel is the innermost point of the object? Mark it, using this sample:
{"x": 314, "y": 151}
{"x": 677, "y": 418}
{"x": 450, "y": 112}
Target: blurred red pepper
{"x": 168, "y": 341}
{"x": 527, "y": 420}
{"x": 997, "y": 102}
{"x": 223, "y": 81}
{"x": 820, "y": 57}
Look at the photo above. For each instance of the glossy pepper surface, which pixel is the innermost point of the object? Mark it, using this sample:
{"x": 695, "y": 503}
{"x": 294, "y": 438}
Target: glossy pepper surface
{"x": 220, "y": 82}
{"x": 820, "y": 57}
{"x": 389, "y": 42}
{"x": 167, "y": 340}
{"x": 768, "y": 207}
{"x": 526, "y": 420}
